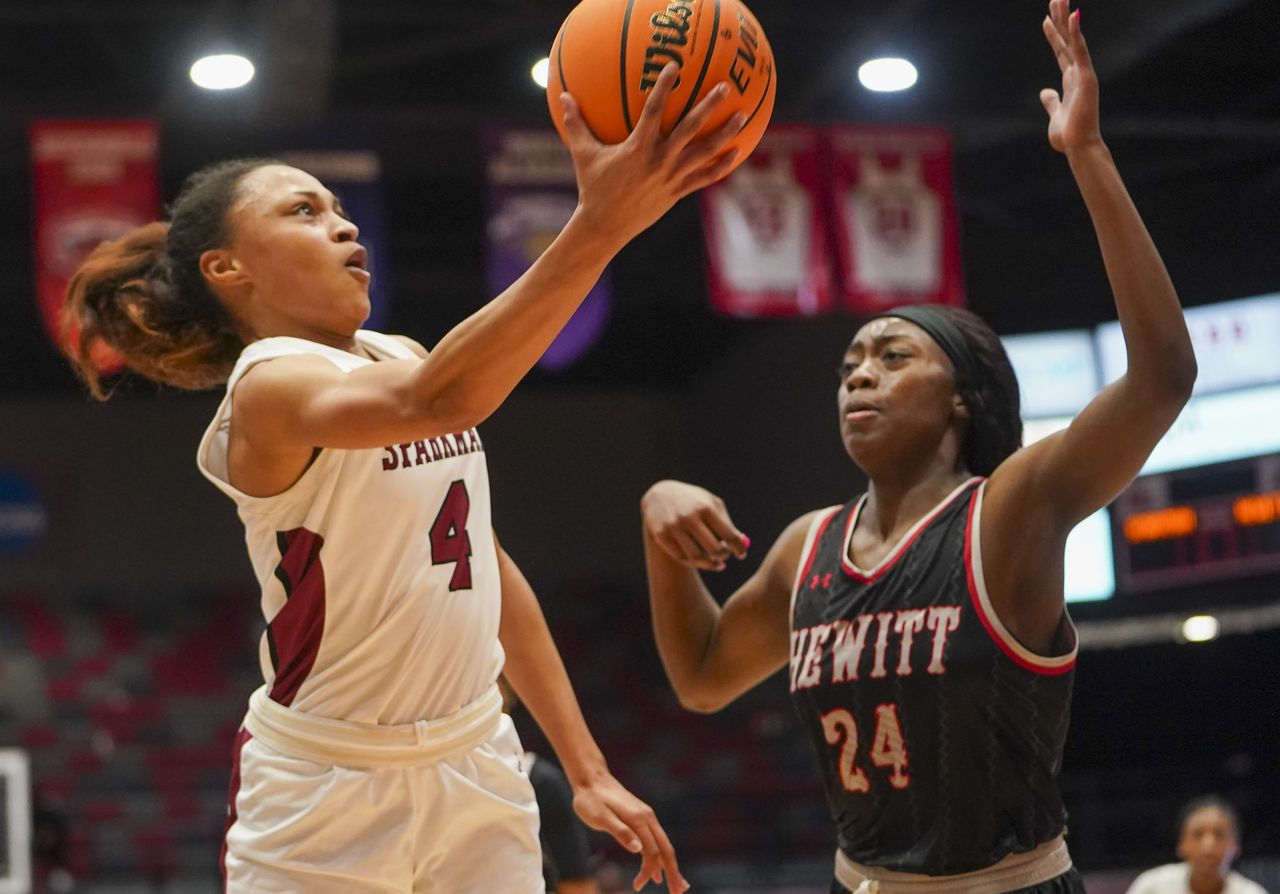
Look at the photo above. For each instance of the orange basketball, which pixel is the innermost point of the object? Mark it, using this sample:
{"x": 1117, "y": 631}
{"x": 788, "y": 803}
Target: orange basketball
{"x": 609, "y": 53}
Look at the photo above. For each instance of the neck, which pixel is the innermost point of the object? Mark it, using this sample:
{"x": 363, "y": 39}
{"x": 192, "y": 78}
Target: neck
{"x": 340, "y": 340}
{"x": 899, "y": 497}
{"x": 1206, "y": 883}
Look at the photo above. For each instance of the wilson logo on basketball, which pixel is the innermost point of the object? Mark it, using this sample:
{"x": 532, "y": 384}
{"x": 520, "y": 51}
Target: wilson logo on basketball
{"x": 670, "y": 29}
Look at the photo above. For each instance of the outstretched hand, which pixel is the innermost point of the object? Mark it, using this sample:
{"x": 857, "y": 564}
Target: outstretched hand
{"x": 1073, "y": 115}
{"x": 626, "y": 187}
{"x": 606, "y": 805}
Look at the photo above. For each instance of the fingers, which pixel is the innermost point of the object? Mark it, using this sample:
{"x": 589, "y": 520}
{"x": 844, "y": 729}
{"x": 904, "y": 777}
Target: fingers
{"x": 1050, "y": 100}
{"x": 697, "y": 118}
{"x": 1057, "y": 44}
{"x": 580, "y": 136}
{"x": 649, "y": 127}
{"x": 690, "y": 552}
{"x": 607, "y": 821}
{"x": 676, "y": 882}
{"x": 1076, "y": 35}
{"x": 727, "y": 536}
{"x": 659, "y": 857}
{"x": 710, "y": 173}
{"x": 699, "y": 152}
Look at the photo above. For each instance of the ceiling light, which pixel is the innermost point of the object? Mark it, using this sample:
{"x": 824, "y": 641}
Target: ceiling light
{"x": 887, "y": 74}
{"x": 539, "y": 72}
{"x": 1200, "y": 628}
{"x": 223, "y": 72}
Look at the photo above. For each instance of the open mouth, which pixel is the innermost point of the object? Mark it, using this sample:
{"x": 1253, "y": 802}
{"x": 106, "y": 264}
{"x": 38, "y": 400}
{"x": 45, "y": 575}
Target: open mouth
{"x": 358, "y": 264}
{"x": 359, "y": 260}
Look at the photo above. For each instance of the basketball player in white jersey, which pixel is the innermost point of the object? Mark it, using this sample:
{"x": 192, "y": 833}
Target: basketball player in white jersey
{"x": 376, "y": 757}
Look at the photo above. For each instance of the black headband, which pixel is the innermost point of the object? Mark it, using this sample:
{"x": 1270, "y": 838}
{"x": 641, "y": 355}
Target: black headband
{"x": 947, "y": 334}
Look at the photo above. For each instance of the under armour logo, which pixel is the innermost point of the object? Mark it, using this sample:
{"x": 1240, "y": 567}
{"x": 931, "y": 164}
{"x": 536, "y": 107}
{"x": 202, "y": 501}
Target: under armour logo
{"x": 820, "y": 580}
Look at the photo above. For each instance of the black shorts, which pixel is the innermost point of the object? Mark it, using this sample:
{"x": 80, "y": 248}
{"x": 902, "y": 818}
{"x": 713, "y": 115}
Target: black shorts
{"x": 1067, "y": 883}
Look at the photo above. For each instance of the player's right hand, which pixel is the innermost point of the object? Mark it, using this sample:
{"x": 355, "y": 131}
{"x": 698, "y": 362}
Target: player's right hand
{"x": 692, "y": 525}
{"x": 624, "y": 188}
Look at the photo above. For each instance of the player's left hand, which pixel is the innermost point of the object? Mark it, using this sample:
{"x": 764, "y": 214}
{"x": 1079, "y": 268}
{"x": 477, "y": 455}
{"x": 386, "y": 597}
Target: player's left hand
{"x": 606, "y": 805}
{"x": 1073, "y": 115}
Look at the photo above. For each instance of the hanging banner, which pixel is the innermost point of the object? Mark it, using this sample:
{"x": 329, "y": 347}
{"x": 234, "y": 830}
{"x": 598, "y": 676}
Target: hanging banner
{"x": 532, "y": 195}
{"x": 93, "y": 181}
{"x": 765, "y": 229}
{"x": 355, "y": 177}
{"x": 897, "y": 239}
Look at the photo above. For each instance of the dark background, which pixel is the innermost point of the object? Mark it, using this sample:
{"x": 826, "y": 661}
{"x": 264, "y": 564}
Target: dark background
{"x": 1191, "y": 109}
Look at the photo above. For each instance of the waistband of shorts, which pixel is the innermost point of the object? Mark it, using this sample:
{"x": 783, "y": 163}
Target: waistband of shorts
{"x": 1044, "y": 862}
{"x": 368, "y": 745}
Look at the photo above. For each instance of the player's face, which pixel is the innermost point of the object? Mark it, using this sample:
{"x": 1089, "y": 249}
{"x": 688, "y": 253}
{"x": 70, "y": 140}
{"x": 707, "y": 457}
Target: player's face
{"x": 897, "y": 396}
{"x": 1208, "y": 841}
{"x": 299, "y": 251}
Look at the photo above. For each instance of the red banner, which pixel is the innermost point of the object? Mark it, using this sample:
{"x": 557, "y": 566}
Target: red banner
{"x": 897, "y": 240}
{"x": 93, "y": 181}
{"x": 766, "y": 233}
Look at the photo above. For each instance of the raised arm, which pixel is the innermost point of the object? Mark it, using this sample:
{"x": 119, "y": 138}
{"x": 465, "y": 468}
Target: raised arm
{"x": 622, "y": 190}
{"x": 537, "y": 674}
{"x": 713, "y": 654}
{"x": 1036, "y": 496}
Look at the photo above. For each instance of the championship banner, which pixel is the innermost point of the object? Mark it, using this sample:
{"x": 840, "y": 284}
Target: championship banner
{"x": 766, "y": 233}
{"x": 532, "y": 195}
{"x": 93, "y": 181}
{"x": 355, "y": 177}
{"x": 897, "y": 239}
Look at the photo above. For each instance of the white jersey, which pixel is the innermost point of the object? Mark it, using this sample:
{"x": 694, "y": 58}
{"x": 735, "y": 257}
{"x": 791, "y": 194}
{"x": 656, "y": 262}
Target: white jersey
{"x": 378, "y": 567}
{"x": 1172, "y": 878}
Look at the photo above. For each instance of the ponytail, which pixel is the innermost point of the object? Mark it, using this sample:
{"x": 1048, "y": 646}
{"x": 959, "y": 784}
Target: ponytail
{"x": 144, "y": 296}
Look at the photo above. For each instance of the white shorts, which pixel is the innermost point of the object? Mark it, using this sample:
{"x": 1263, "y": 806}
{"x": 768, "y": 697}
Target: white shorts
{"x": 466, "y": 824}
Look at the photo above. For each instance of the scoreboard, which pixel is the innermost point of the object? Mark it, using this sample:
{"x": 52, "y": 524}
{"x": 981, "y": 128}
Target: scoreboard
{"x": 1198, "y": 525}
{"x": 1206, "y": 505}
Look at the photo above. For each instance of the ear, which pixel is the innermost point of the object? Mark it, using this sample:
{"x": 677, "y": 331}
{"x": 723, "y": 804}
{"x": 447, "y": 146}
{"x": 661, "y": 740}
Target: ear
{"x": 958, "y": 408}
{"x": 221, "y": 268}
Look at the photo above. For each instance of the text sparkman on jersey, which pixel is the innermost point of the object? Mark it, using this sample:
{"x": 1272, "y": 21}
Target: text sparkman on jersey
{"x": 429, "y": 450}
{"x": 854, "y": 656}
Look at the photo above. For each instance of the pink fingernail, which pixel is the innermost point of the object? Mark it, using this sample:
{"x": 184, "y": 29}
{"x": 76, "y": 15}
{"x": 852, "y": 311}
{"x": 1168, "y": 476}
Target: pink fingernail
{"x": 746, "y": 542}
{"x": 1076, "y": 15}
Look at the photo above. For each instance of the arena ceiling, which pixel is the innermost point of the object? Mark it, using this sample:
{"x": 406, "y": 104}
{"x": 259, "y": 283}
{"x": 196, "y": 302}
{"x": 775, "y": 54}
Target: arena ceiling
{"x": 1191, "y": 103}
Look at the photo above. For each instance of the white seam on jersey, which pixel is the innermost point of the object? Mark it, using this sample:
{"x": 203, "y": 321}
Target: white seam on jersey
{"x": 980, "y": 582}
{"x": 903, "y": 542}
{"x": 809, "y": 542}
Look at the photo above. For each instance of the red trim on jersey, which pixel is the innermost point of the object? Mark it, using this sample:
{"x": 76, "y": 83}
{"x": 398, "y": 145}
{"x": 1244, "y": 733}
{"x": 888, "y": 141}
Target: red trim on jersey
{"x": 813, "y": 548}
{"x": 897, "y": 552}
{"x": 974, "y": 598}
{"x": 296, "y": 629}
{"x": 237, "y": 747}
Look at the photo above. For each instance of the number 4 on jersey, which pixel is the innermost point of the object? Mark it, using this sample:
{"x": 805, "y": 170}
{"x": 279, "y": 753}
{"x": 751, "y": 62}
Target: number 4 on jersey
{"x": 887, "y": 747}
{"x": 450, "y": 541}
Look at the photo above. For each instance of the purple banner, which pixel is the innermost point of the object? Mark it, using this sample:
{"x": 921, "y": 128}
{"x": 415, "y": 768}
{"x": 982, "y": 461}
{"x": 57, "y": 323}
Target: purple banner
{"x": 532, "y": 194}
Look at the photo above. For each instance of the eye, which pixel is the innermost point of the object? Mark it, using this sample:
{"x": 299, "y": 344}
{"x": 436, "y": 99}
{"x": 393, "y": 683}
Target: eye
{"x": 844, "y": 369}
{"x": 304, "y": 207}
{"x": 892, "y": 356}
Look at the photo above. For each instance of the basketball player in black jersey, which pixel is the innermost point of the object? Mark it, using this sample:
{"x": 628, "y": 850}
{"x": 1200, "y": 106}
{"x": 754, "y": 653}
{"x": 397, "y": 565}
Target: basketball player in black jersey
{"x": 923, "y": 622}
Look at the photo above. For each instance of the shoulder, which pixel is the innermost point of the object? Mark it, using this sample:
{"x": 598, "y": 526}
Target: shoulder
{"x": 1238, "y": 884}
{"x": 796, "y": 542}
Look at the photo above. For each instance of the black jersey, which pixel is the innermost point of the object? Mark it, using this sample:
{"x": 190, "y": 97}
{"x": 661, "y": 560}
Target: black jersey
{"x": 938, "y": 734}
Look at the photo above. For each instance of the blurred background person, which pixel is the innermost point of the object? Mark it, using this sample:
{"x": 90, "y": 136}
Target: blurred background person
{"x": 1208, "y": 843}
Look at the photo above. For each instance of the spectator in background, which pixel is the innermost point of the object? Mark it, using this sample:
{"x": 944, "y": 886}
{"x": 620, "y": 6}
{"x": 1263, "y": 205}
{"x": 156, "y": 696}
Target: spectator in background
{"x": 1208, "y": 843}
{"x": 566, "y": 855}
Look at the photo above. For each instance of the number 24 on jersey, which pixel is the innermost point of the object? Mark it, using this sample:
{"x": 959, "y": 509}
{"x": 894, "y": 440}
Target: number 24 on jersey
{"x": 887, "y": 747}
